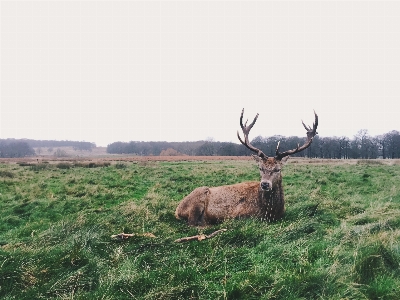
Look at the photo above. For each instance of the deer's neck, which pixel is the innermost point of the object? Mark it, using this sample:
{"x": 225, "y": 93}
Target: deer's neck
{"x": 273, "y": 202}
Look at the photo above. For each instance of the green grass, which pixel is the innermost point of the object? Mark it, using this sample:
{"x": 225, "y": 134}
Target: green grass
{"x": 339, "y": 239}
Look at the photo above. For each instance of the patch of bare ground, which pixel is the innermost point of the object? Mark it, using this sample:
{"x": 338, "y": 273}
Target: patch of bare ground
{"x": 71, "y": 152}
{"x": 99, "y": 154}
{"x": 119, "y": 158}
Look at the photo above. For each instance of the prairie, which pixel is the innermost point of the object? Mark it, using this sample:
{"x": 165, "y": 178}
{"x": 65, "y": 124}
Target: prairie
{"x": 339, "y": 239}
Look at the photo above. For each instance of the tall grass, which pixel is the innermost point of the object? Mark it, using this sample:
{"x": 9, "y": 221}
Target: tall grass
{"x": 340, "y": 237}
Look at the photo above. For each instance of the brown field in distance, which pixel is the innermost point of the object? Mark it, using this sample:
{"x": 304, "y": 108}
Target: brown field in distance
{"x": 99, "y": 154}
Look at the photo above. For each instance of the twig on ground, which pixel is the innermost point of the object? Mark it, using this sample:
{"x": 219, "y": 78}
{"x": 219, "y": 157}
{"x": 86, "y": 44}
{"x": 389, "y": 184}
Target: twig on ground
{"x": 124, "y": 236}
{"x": 199, "y": 237}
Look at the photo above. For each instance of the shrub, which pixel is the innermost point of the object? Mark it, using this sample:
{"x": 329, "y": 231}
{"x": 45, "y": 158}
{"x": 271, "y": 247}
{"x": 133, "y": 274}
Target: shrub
{"x": 6, "y": 174}
{"x": 170, "y": 152}
{"x": 120, "y": 166}
{"x": 60, "y": 153}
{"x": 38, "y": 167}
{"x": 63, "y": 165}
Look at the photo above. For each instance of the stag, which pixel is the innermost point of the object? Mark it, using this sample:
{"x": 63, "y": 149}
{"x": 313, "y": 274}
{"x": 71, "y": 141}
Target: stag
{"x": 262, "y": 199}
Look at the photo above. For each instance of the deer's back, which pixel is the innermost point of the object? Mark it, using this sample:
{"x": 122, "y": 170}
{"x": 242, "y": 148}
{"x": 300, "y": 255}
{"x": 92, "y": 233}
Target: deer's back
{"x": 232, "y": 201}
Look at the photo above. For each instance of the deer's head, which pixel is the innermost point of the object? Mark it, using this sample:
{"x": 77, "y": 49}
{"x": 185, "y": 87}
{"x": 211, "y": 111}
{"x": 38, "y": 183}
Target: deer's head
{"x": 270, "y": 167}
{"x": 270, "y": 172}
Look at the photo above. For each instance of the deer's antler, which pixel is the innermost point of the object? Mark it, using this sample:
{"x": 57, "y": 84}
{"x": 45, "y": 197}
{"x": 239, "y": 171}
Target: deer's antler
{"x": 246, "y": 129}
{"x": 311, "y": 132}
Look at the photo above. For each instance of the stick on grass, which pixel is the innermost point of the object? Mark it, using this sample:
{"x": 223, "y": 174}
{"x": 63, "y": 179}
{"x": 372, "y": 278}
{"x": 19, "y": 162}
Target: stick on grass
{"x": 124, "y": 236}
{"x": 199, "y": 237}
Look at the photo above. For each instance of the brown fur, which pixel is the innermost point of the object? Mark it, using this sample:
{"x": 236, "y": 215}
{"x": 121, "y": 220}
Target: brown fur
{"x": 209, "y": 205}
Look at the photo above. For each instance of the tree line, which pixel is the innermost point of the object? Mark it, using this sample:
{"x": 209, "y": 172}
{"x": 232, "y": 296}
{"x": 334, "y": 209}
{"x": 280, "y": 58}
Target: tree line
{"x": 15, "y": 149}
{"x": 362, "y": 145}
{"x": 24, "y": 147}
{"x": 87, "y": 146}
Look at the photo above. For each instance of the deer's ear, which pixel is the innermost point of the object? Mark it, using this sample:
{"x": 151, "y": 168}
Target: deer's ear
{"x": 284, "y": 160}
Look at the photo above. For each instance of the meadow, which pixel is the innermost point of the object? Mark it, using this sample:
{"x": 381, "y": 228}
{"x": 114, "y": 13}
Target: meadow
{"x": 339, "y": 239}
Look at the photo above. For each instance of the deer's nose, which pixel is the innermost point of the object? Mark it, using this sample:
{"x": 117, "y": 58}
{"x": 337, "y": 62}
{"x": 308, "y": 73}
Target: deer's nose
{"x": 265, "y": 185}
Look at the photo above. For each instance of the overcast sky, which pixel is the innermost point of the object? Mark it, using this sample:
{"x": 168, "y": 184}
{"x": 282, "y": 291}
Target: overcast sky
{"x": 107, "y": 71}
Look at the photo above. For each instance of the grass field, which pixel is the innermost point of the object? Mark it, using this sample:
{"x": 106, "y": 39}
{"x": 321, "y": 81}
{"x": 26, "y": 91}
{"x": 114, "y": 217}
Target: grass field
{"x": 339, "y": 239}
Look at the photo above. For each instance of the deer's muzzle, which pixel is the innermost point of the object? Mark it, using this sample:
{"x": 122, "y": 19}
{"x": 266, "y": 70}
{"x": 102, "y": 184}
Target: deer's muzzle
{"x": 265, "y": 185}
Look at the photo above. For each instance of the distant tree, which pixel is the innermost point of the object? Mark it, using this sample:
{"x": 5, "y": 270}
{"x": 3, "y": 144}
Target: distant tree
{"x": 52, "y": 143}
{"x": 381, "y": 142}
{"x": 374, "y": 151}
{"x": 314, "y": 149}
{"x": 207, "y": 149}
{"x": 188, "y": 148}
{"x": 226, "y": 149}
{"x": 15, "y": 149}
{"x": 260, "y": 143}
{"x": 354, "y": 149}
{"x": 344, "y": 144}
{"x": 155, "y": 148}
{"x": 392, "y": 141}
{"x": 60, "y": 153}
{"x": 268, "y": 145}
{"x": 329, "y": 147}
{"x": 362, "y": 142}
{"x": 146, "y": 148}
{"x": 83, "y": 146}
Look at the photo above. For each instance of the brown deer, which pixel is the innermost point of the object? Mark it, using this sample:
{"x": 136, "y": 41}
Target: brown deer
{"x": 264, "y": 199}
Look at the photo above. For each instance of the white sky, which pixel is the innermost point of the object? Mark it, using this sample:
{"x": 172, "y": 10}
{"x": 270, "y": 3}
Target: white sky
{"x": 107, "y": 71}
